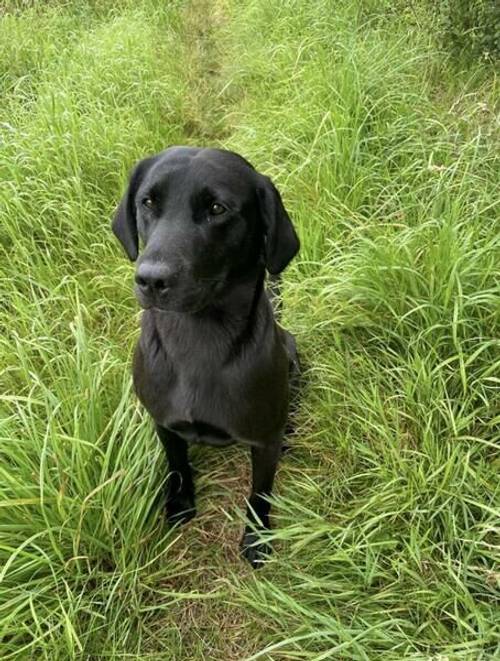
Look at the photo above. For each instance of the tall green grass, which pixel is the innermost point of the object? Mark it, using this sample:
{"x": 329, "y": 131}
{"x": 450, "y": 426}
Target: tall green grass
{"x": 387, "y": 508}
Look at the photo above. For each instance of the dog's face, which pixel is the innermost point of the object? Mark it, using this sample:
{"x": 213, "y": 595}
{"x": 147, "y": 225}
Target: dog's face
{"x": 206, "y": 220}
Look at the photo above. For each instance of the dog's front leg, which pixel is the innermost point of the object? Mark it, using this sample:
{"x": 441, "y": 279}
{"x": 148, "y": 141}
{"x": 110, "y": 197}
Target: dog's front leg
{"x": 180, "y": 487}
{"x": 264, "y": 463}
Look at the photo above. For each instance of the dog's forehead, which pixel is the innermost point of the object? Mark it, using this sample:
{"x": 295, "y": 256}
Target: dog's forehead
{"x": 202, "y": 168}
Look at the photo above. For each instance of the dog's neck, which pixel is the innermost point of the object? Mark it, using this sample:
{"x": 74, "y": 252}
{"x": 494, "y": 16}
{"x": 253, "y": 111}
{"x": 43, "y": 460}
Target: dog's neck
{"x": 226, "y": 323}
{"x": 237, "y": 304}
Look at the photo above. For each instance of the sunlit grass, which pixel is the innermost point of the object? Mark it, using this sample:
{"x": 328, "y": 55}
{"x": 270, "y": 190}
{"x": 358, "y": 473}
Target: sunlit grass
{"x": 386, "y": 509}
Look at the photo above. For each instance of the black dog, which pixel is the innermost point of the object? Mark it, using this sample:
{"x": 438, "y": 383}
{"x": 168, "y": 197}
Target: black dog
{"x": 211, "y": 365}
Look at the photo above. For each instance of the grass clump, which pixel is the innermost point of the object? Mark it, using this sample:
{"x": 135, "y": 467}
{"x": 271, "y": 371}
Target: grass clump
{"x": 386, "y": 510}
{"x": 82, "y": 565}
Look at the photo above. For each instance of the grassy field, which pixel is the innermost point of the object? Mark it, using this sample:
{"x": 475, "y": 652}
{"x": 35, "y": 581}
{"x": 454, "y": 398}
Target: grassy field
{"x": 386, "y": 510}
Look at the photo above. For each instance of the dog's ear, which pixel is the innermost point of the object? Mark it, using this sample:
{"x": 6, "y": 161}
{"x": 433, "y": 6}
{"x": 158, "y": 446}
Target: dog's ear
{"x": 125, "y": 220}
{"x": 282, "y": 242}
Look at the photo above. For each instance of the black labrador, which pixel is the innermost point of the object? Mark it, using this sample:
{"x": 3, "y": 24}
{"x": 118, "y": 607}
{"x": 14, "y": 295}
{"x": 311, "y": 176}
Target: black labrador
{"x": 211, "y": 365}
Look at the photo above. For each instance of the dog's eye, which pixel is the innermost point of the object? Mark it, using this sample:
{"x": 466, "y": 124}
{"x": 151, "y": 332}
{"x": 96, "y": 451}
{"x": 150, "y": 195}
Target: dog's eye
{"x": 216, "y": 209}
{"x": 148, "y": 202}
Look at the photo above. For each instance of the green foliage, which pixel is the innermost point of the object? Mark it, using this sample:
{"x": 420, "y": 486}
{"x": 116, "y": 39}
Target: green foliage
{"x": 470, "y": 27}
{"x": 387, "y": 507}
{"x": 467, "y": 29}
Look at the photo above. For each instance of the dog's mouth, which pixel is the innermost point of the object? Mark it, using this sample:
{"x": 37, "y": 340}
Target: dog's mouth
{"x": 193, "y": 301}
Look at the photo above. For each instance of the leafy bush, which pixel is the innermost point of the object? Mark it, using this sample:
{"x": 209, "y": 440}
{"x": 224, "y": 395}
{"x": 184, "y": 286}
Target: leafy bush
{"x": 470, "y": 27}
{"x": 466, "y": 28}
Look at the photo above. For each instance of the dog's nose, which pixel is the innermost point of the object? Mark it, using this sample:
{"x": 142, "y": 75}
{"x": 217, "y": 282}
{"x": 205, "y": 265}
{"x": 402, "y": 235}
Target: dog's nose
{"x": 154, "y": 277}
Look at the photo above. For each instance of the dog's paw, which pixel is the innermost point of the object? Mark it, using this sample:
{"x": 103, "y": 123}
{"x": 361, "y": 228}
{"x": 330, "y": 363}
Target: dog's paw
{"x": 180, "y": 509}
{"x": 252, "y": 550}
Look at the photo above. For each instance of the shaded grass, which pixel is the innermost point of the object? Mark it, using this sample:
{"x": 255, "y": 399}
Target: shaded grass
{"x": 386, "y": 510}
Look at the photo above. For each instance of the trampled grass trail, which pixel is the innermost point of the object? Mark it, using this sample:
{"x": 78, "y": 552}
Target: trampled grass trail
{"x": 386, "y": 510}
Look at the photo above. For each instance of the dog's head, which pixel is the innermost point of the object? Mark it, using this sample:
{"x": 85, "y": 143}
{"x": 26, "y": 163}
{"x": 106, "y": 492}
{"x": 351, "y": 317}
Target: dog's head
{"x": 206, "y": 220}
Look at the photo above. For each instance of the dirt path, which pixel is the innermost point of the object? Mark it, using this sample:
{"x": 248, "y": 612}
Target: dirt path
{"x": 211, "y": 626}
{"x": 205, "y": 116}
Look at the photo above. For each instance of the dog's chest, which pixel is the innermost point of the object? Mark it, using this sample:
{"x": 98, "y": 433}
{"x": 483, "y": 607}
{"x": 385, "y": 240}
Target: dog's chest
{"x": 195, "y": 401}
{"x": 197, "y": 391}
{"x": 182, "y": 380}
{"x": 190, "y": 386}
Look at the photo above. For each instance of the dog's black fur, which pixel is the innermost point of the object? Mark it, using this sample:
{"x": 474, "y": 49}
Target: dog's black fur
{"x": 211, "y": 365}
